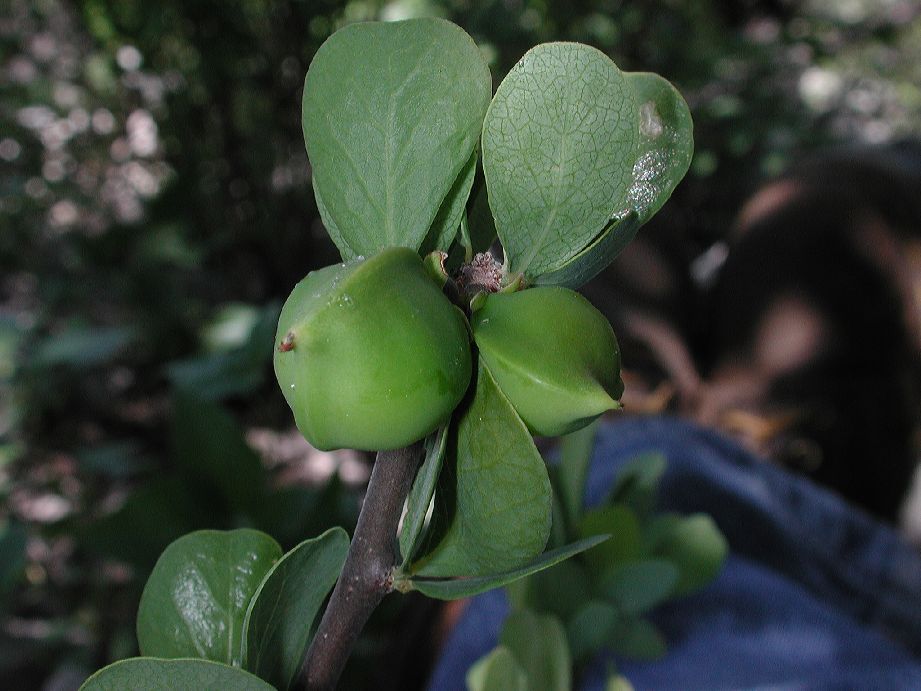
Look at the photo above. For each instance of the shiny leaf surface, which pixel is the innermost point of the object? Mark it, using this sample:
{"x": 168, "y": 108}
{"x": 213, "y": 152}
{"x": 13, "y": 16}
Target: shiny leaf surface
{"x": 195, "y": 601}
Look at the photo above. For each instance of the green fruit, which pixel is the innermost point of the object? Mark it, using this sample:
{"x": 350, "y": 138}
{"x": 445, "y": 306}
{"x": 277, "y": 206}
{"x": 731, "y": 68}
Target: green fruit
{"x": 553, "y": 354}
{"x": 370, "y": 354}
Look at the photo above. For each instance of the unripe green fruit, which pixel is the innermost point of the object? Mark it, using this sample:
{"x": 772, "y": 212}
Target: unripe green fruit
{"x": 370, "y": 354}
{"x": 553, "y": 354}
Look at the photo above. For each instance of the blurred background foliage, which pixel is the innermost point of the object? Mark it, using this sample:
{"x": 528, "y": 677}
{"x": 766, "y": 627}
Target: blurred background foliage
{"x": 155, "y": 209}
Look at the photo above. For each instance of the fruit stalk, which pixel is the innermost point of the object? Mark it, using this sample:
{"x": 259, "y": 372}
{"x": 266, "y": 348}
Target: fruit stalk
{"x": 367, "y": 575}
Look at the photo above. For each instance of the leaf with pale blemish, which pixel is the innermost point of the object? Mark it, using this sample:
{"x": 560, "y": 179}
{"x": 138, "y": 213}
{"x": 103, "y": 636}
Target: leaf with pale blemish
{"x": 663, "y": 154}
{"x": 492, "y": 502}
{"x": 391, "y": 115}
{"x": 558, "y": 152}
{"x": 665, "y": 145}
{"x": 196, "y": 598}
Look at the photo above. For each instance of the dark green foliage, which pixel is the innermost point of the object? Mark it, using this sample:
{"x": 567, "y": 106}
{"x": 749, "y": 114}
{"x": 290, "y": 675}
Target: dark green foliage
{"x": 600, "y": 597}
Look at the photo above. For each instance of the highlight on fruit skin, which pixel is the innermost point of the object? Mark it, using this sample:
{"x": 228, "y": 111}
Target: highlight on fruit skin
{"x": 370, "y": 354}
{"x": 553, "y": 355}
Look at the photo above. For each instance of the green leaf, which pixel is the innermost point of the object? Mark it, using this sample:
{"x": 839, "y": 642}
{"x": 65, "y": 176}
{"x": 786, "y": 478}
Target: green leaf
{"x": 640, "y": 586}
{"x": 211, "y": 450}
{"x": 420, "y": 496}
{"x": 492, "y": 504}
{"x": 559, "y": 590}
{"x": 621, "y": 524}
{"x": 595, "y": 258}
{"x": 589, "y": 628}
{"x": 538, "y": 643}
{"x": 575, "y": 456}
{"x": 498, "y": 671}
{"x": 638, "y": 483}
{"x": 391, "y": 115}
{"x": 153, "y": 674}
{"x": 618, "y": 682}
{"x": 697, "y": 547}
{"x": 329, "y": 223}
{"x": 278, "y": 621}
{"x": 83, "y": 346}
{"x": 447, "y": 221}
{"x": 558, "y": 151}
{"x": 196, "y": 598}
{"x": 454, "y": 588}
{"x": 636, "y": 638}
{"x": 665, "y": 146}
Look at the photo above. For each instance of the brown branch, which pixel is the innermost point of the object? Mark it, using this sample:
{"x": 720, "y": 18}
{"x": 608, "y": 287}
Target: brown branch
{"x": 367, "y": 574}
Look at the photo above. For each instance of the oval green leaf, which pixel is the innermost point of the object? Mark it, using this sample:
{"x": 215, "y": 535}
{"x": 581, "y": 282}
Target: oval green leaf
{"x": 498, "y": 671}
{"x": 558, "y": 151}
{"x": 391, "y": 115}
{"x": 637, "y": 638}
{"x": 538, "y": 643}
{"x": 153, "y": 674}
{"x": 196, "y": 599}
{"x": 625, "y": 545}
{"x": 696, "y": 546}
{"x": 640, "y": 586}
{"x": 281, "y": 613}
{"x": 589, "y": 628}
{"x": 638, "y": 483}
{"x": 663, "y": 153}
{"x": 492, "y": 503}
{"x": 560, "y": 590}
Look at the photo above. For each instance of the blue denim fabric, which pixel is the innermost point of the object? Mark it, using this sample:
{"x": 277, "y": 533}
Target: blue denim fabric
{"x": 815, "y": 594}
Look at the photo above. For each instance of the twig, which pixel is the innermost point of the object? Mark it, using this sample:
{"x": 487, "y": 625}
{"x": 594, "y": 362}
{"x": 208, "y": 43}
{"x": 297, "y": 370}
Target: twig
{"x": 367, "y": 574}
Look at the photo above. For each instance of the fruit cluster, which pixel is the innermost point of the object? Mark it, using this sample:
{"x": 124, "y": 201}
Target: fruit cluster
{"x": 372, "y": 355}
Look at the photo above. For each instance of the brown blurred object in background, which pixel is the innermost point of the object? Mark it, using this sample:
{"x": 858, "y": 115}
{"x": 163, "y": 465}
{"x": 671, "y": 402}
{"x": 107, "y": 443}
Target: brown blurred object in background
{"x": 800, "y": 334}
